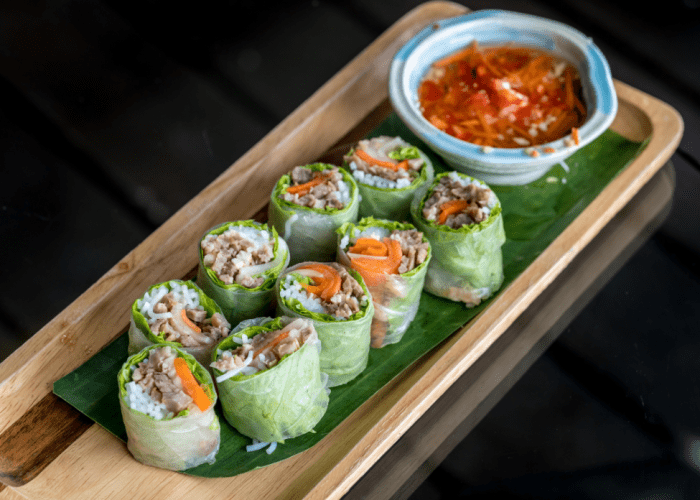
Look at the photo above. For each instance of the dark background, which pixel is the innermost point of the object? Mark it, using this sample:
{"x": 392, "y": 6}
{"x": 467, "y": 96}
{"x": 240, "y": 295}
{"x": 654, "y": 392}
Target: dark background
{"x": 116, "y": 113}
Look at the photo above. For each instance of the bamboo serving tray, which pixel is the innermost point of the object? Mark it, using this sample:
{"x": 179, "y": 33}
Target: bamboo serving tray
{"x": 49, "y": 450}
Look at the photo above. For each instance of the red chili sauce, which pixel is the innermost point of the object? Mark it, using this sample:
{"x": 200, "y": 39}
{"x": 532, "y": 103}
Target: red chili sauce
{"x": 504, "y": 97}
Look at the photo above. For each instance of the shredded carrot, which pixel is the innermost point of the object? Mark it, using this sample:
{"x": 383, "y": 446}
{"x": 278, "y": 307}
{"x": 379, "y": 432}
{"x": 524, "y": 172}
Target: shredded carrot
{"x": 373, "y": 270}
{"x": 190, "y": 385}
{"x": 382, "y": 163}
{"x": 574, "y": 135}
{"x": 369, "y": 246}
{"x": 272, "y": 344}
{"x": 188, "y": 322}
{"x": 451, "y": 207}
{"x": 326, "y": 286}
{"x": 302, "y": 188}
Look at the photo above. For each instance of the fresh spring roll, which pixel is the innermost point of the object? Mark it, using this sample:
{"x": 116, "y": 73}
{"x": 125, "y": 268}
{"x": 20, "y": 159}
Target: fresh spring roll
{"x": 239, "y": 263}
{"x": 269, "y": 379}
{"x": 338, "y": 302}
{"x": 388, "y": 171}
{"x": 392, "y": 258}
{"x": 308, "y": 205}
{"x": 180, "y": 314}
{"x": 462, "y": 219}
{"x": 167, "y": 402}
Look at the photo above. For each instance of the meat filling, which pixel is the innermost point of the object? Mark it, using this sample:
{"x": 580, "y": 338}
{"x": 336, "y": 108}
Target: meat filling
{"x": 414, "y": 250}
{"x": 382, "y": 149}
{"x": 318, "y": 190}
{"x": 449, "y": 189}
{"x": 158, "y": 378}
{"x": 266, "y": 349}
{"x": 231, "y": 253}
{"x": 188, "y": 326}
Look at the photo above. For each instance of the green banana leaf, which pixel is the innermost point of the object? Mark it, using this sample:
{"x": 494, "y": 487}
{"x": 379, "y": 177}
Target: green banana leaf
{"x": 345, "y": 343}
{"x": 533, "y": 216}
{"x": 467, "y": 263}
{"x": 282, "y": 402}
{"x": 397, "y": 297}
{"x": 310, "y": 232}
{"x": 141, "y": 335}
{"x": 188, "y": 439}
{"x": 236, "y": 301}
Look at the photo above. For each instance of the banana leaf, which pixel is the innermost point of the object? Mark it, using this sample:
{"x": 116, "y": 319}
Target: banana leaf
{"x": 533, "y": 216}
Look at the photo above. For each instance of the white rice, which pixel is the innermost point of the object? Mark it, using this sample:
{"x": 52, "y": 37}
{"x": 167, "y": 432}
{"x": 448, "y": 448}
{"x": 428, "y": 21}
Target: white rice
{"x": 139, "y": 400}
{"x": 343, "y": 193}
{"x": 379, "y": 182}
{"x": 188, "y": 297}
{"x": 292, "y": 289}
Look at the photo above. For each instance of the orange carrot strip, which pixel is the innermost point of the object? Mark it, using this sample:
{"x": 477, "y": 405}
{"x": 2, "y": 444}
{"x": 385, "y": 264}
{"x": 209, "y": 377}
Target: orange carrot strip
{"x": 574, "y": 135}
{"x": 188, "y": 322}
{"x": 301, "y": 188}
{"x": 568, "y": 85}
{"x": 272, "y": 344}
{"x": 324, "y": 287}
{"x": 374, "y": 270}
{"x": 369, "y": 246}
{"x": 451, "y": 207}
{"x": 382, "y": 163}
{"x": 190, "y": 385}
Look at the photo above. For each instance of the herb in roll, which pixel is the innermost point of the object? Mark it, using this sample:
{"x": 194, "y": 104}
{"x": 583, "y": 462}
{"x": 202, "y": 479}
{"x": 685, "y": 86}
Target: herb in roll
{"x": 462, "y": 219}
{"x": 392, "y": 258}
{"x": 239, "y": 263}
{"x": 167, "y": 402}
{"x": 338, "y": 302}
{"x": 178, "y": 313}
{"x": 269, "y": 379}
{"x": 388, "y": 171}
{"x": 308, "y": 205}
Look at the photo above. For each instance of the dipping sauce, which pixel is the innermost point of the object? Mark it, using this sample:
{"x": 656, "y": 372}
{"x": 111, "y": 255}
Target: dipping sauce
{"x": 504, "y": 97}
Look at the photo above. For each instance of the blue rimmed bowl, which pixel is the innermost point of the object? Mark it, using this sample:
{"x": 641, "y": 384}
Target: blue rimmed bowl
{"x": 501, "y": 166}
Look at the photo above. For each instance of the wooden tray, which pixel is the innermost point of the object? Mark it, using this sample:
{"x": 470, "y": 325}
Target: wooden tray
{"x": 49, "y": 450}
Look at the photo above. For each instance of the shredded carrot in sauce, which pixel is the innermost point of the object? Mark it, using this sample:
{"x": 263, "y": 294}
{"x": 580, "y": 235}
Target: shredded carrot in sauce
{"x": 190, "y": 385}
{"x": 495, "y": 95}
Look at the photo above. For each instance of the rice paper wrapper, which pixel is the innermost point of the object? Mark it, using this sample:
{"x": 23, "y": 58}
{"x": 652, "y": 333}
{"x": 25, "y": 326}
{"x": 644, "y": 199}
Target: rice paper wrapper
{"x": 279, "y": 403}
{"x": 467, "y": 263}
{"x": 237, "y": 302}
{"x": 141, "y": 335}
{"x": 187, "y": 440}
{"x": 310, "y": 233}
{"x": 344, "y": 343}
{"x": 393, "y": 204}
{"x": 397, "y": 298}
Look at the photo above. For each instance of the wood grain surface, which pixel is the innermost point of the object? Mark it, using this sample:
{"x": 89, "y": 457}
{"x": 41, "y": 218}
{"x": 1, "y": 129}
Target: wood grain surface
{"x": 97, "y": 465}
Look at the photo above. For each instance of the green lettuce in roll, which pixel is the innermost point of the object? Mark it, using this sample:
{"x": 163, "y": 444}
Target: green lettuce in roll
{"x": 462, "y": 218}
{"x": 167, "y": 402}
{"x": 336, "y": 299}
{"x": 269, "y": 379}
{"x": 392, "y": 258}
{"x": 308, "y": 205}
{"x": 239, "y": 263}
{"x": 388, "y": 171}
{"x": 180, "y": 314}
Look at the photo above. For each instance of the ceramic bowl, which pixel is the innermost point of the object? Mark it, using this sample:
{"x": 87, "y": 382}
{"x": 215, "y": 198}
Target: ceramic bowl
{"x": 501, "y": 166}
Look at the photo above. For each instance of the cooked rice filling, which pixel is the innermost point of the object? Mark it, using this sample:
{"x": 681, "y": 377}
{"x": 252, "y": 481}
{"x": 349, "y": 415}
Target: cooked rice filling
{"x": 236, "y": 249}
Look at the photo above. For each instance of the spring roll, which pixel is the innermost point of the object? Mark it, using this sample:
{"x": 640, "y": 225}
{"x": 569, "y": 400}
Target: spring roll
{"x": 308, "y": 205}
{"x": 388, "y": 171}
{"x": 269, "y": 379}
{"x": 239, "y": 263}
{"x": 167, "y": 402}
{"x": 180, "y": 314}
{"x": 462, "y": 219}
{"x": 392, "y": 258}
{"x": 338, "y": 302}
